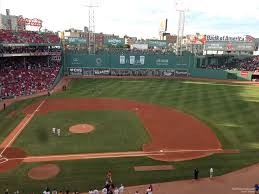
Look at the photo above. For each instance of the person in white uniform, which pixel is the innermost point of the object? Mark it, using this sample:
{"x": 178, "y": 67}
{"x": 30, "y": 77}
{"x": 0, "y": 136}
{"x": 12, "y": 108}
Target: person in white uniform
{"x": 58, "y": 132}
{"x": 211, "y": 173}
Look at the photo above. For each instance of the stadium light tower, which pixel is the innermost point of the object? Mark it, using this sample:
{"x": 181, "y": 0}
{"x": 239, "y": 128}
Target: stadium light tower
{"x": 91, "y": 5}
{"x": 181, "y": 8}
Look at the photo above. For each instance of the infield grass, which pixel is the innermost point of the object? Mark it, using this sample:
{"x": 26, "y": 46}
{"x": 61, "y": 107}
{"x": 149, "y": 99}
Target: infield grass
{"x": 114, "y": 131}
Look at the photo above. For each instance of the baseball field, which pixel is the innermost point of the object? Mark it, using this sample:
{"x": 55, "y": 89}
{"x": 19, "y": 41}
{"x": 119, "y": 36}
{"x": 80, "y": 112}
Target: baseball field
{"x": 135, "y": 122}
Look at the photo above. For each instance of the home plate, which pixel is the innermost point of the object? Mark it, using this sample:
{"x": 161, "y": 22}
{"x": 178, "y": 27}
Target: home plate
{"x": 161, "y": 151}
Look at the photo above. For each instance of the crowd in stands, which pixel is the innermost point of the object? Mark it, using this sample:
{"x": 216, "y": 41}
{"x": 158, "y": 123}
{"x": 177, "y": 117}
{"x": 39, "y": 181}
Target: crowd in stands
{"x": 109, "y": 188}
{"x": 33, "y": 37}
{"x": 121, "y": 51}
{"x": 248, "y": 64}
{"x": 25, "y": 76}
{"x": 124, "y": 51}
{"x": 27, "y": 49}
{"x": 115, "y": 190}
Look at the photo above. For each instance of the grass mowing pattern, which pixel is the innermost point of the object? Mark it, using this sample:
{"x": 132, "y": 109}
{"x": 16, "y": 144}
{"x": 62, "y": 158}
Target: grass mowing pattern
{"x": 85, "y": 174}
{"x": 7, "y": 122}
{"x": 115, "y": 131}
{"x": 230, "y": 110}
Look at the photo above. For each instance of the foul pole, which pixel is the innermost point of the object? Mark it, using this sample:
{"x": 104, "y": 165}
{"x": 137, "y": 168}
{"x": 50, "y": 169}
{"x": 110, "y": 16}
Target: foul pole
{"x": 180, "y": 8}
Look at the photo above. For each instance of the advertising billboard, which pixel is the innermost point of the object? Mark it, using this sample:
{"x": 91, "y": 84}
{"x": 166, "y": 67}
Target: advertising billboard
{"x": 229, "y": 46}
{"x": 76, "y": 41}
{"x": 139, "y": 46}
{"x": 226, "y": 38}
{"x": 75, "y": 71}
{"x": 114, "y": 42}
{"x": 157, "y": 43}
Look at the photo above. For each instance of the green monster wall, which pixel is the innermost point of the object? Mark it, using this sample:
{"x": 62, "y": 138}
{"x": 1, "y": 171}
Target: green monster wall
{"x": 186, "y": 63}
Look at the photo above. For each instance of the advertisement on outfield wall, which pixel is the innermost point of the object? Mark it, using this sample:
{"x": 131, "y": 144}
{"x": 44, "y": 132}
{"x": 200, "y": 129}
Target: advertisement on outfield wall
{"x": 181, "y": 72}
{"x": 169, "y": 73}
{"x": 88, "y": 71}
{"x": 102, "y": 72}
{"x": 244, "y": 73}
{"x": 75, "y": 71}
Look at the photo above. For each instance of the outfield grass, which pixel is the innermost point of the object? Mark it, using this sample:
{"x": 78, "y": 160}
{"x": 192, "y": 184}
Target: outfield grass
{"x": 115, "y": 131}
{"x": 231, "y": 111}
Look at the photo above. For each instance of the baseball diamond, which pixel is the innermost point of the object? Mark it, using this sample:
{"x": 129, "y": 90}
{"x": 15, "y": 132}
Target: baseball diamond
{"x": 171, "y": 129}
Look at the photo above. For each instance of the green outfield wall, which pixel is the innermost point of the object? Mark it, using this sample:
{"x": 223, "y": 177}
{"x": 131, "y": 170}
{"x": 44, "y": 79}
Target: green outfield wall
{"x": 144, "y": 64}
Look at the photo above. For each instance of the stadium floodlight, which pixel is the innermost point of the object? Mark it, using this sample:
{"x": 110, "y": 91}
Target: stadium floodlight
{"x": 91, "y": 5}
{"x": 181, "y": 8}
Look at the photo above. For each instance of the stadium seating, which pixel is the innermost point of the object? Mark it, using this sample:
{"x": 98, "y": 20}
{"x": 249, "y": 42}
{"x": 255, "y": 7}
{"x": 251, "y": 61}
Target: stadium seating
{"x": 27, "y": 75}
{"x": 18, "y": 78}
{"x": 7, "y": 37}
{"x": 248, "y": 64}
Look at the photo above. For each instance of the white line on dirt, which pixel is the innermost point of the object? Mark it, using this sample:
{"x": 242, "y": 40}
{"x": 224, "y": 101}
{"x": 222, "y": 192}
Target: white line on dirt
{"x": 107, "y": 155}
{"x": 4, "y": 160}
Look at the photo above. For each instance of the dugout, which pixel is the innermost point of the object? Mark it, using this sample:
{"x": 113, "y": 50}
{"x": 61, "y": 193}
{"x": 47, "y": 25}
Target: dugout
{"x": 255, "y": 76}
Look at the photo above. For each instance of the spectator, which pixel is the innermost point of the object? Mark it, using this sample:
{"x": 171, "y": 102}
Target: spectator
{"x": 54, "y": 191}
{"x": 95, "y": 191}
{"x": 256, "y": 189}
{"x": 109, "y": 176}
{"x": 104, "y": 191}
{"x": 116, "y": 190}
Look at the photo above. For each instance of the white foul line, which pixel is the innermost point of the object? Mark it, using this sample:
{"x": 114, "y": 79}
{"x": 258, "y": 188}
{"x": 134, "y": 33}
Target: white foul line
{"x": 4, "y": 160}
{"x": 110, "y": 155}
{"x": 22, "y": 127}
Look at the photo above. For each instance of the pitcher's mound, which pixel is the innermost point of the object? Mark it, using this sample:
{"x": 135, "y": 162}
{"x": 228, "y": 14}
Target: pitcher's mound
{"x": 44, "y": 172}
{"x": 81, "y": 128}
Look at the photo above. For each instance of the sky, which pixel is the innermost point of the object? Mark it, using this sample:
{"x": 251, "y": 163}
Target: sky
{"x": 141, "y": 18}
